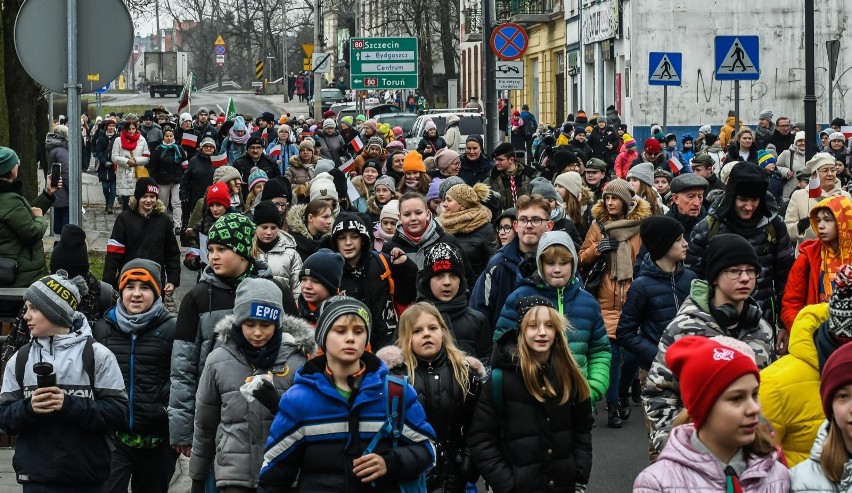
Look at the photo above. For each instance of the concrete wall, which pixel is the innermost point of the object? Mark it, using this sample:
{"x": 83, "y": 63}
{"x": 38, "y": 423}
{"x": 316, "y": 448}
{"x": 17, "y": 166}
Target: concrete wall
{"x": 689, "y": 27}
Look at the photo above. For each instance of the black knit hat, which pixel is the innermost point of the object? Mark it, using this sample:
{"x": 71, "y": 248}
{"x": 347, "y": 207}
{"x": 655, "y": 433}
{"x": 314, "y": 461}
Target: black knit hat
{"x": 747, "y": 180}
{"x": 267, "y": 213}
{"x": 146, "y": 185}
{"x": 71, "y": 253}
{"x": 727, "y": 250}
{"x": 326, "y": 267}
{"x": 563, "y": 158}
{"x": 527, "y": 303}
{"x": 277, "y": 187}
{"x": 442, "y": 257}
{"x": 659, "y": 233}
{"x": 504, "y": 149}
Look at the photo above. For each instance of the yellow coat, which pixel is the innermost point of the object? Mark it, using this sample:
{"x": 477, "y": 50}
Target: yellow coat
{"x": 789, "y": 388}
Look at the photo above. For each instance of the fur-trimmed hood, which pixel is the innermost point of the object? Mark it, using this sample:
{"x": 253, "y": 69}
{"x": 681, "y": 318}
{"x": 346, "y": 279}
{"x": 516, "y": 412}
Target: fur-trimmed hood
{"x": 296, "y": 333}
{"x": 134, "y": 205}
{"x": 296, "y": 220}
{"x": 392, "y": 356}
{"x": 358, "y": 183}
{"x": 587, "y": 197}
{"x": 296, "y": 162}
{"x": 639, "y": 210}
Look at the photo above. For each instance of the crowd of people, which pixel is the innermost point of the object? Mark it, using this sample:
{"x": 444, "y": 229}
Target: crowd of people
{"x": 367, "y": 318}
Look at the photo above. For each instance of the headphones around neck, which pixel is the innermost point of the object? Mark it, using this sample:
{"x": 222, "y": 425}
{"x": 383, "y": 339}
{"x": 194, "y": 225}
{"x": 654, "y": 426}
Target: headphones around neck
{"x": 728, "y": 317}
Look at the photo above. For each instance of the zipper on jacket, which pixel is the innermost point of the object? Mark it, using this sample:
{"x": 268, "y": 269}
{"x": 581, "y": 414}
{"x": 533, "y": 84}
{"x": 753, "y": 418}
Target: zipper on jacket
{"x": 132, "y": 365}
{"x": 559, "y": 293}
{"x": 674, "y": 293}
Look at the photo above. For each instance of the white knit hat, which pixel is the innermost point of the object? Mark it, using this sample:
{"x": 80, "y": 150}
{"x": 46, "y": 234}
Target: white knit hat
{"x": 322, "y": 187}
{"x": 571, "y": 181}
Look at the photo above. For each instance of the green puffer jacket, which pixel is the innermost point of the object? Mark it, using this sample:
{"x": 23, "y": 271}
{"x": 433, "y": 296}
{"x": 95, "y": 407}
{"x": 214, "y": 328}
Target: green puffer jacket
{"x": 21, "y": 232}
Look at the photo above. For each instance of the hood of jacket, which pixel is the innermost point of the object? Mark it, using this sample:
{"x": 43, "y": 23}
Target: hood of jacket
{"x": 479, "y": 165}
{"x": 721, "y": 208}
{"x": 841, "y": 209}
{"x": 802, "y": 344}
{"x": 348, "y": 220}
{"x": 52, "y": 141}
{"x": 697, "y": 305}
{"x": 295, "y": 333}
{"x": 261, "y": 270}
{"x": 158, "y": 207}
{"x": 296, "y": 162}
{"x": 639, "y": 210}
{"x": 296, "y": 220}
{"x": 556, "y": 238}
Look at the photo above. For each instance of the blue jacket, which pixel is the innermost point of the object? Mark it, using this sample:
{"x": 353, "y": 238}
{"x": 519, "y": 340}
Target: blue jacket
{"x": 586, "y": 335}
{"x": 652, "y": 302}
{"x": 311, "y": 438}
{"x": 288, "y": 150}
{"x": 500, "y": 278}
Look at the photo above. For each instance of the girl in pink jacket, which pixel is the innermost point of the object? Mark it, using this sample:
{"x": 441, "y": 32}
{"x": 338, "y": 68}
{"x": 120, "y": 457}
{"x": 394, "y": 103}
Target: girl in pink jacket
{"x": 724, "y": 448}
{"x": 626, "y": 157}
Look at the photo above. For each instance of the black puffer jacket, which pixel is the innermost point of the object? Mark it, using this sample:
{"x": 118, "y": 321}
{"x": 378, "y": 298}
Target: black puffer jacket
{"x": 478, "y": 247}
{"x": 145, "y": 360}
{"x": 774, "y": 254}
{"x": 470, "y": 328}
{"x": 548, "y": 446}
{"x": 196, "y": 179}
{"x": 447, "y": 410}
{"x": 166, "y": 164}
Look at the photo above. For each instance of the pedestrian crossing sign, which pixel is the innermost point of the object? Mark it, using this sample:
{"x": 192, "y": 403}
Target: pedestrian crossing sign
{"x": 737, "y": 57}
{"x": 664, "y": 69}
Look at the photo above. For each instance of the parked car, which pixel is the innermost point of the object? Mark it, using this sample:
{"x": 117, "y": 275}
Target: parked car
{"x": 404, "y": 120}
{"x": 329, "y": 96}
{"x": 370, "y": 110}
{"x": 471, "y": 122}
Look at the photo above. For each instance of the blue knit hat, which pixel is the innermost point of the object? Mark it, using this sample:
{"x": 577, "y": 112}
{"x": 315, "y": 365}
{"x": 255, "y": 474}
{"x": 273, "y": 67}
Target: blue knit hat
{"x": 326, "y": 267}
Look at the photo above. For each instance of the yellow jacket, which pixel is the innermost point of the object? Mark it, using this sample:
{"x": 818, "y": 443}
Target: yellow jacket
{"x": 789, "y": 388}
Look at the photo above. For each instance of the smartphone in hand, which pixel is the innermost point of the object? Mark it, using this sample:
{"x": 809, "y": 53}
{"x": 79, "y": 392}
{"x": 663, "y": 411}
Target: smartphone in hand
{"x": 55, "y": 170}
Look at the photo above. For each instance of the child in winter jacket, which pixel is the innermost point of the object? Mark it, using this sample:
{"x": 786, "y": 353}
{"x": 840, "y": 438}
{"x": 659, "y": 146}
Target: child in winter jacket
{"x": 829, "y": 467}
{"x": 276, "y": 247}
{"x": 260, "y": 349}
{"x": 334, "y": 410}
{"x": 777, "y": 180}
{"x": 626, "y": 157}
{"x": 534, "y": 433}
{"x": 320, "y": 279}
{"x": 447, "y": 382}
{"x": 725, "y": 448}
{"x": 555, "y": 279}
{"x": 442, "y": 283}
{"x": 63, "y": 414}
{"x": 140, "y": 331}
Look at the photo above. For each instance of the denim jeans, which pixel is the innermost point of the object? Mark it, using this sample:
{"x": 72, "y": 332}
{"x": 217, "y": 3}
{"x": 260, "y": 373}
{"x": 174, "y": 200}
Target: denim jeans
{"x": 109, "y": 192}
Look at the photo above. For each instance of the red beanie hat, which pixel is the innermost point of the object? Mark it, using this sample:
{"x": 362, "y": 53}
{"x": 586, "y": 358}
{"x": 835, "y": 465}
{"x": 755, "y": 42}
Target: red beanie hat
{"x": 836, "y": 372}
{"x": 218, "y": 193}
{"x": 704, "y": 369}
{"x": 652, "y": 145}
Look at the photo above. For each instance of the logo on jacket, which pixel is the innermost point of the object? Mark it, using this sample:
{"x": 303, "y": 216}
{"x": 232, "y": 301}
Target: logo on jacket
{"x": 723, "y": 354}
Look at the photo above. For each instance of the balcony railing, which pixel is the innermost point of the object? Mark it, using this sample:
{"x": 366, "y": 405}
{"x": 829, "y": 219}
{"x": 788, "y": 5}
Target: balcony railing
{"x": 507, "y": 9}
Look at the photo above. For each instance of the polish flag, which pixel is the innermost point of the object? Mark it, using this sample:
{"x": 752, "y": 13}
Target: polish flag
{"x": 814, "y": 190}
{"x": 348, "y": 166}
{"x": 846, "y": 131}
{"x": 113, "y": 246}
{"x": 189, "y": 139}
{"x": 675, "y": 165}
{"x": 275, "y": 151}
{"x": 357, "y": 144}
{"x": 220, "y": 160}
{"x": 184, "y": 164}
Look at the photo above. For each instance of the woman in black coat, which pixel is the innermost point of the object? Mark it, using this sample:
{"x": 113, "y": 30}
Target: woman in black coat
{"x": 742, "y": 148}
{"x": 466, "y": 218}
{"x": 536, "y": 437}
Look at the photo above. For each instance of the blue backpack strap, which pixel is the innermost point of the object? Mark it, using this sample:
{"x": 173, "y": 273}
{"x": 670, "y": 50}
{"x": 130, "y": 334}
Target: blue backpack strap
{"x": 394, "y": 390}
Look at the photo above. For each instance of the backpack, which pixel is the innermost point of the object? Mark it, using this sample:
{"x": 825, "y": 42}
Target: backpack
{"x": 529, "y": 126}
{"x": 713, "y": 226}
{"x": 88, "y": 362}
{"x": 394, "y": 422}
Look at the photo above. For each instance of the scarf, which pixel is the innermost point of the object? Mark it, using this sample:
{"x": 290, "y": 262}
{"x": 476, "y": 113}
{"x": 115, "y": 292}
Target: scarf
{"x": 233, "y": 137}
{"x": 831, "y": 262}
{"x": 416, "y": 240}
{"x": 135, "y": 324}
{"x": 128, "y": 142}
{"x": 266, "y": 247}
{"x": 465, "y": 221}
{"x": 262, "y": 358}
{"x": 621, "y": 260}
{"x": 174, "y": 147}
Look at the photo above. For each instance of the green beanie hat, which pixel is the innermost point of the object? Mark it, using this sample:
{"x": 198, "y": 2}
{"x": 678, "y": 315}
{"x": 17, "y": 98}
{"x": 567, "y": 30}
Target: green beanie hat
{"x": 234, "y": 231}
{"x": 8, "y": 160}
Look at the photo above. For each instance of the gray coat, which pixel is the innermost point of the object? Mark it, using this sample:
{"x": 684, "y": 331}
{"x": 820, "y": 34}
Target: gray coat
{"x": 809, "y": 477}
{"x": 230, "y": 432}
{"x": 331, "y": 146}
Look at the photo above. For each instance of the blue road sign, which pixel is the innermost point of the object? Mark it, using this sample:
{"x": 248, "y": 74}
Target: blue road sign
{"x": 509, "y": 41}
{"x": 103, "y": 89}
{"x": 219, "y": 49}
{"x": 737, "y": 57}
{"x": 665, "y": 69}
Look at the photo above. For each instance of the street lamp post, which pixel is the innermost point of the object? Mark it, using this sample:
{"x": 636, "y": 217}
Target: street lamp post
{"x": 810, "y": 83}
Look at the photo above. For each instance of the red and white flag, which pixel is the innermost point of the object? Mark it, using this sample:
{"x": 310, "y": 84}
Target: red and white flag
{"x": 184, "y": 164}
{"x": 220, "y": 160}
{"x": 675, "y": 165}
{"x": 275, "y": 151}
{"x": 189, "y": 139}
{"x": 814, "y": 190}
{"x": 847, "y": 132}
{"x": 347, "y": 166}
{"x": 113, "y": 246}
{"x": 357, "y": 144}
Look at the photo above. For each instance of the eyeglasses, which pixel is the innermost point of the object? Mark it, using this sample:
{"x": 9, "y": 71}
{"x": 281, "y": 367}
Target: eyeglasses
{"x": 734, "y": 274}
{"x": 255, "y": 148}
{"x": 280, "y": 205}
{"x": 535, "y": 221}
{"x": 505, "y": 229}
{"x": 650, "y": 154}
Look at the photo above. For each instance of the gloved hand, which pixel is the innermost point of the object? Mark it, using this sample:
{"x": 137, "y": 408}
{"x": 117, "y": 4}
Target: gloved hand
{"x": 803, "y": 224}
{"x": 268, "y": 395}
{"x": 607, "y": 245}
{"x": 197, "y": 486}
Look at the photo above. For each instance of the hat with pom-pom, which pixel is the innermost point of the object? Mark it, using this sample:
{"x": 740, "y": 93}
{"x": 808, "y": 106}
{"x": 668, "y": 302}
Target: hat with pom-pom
{"x": 467, "y": 196}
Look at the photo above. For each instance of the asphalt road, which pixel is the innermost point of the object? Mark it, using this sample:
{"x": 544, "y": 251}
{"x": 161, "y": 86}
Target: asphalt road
{"x": 245, "y": 102}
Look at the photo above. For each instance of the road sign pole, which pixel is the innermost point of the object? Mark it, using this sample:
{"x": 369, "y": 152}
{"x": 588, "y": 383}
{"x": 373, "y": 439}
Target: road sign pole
{"x": 317, "y": 85}
{"x": 810, "y": 83}
{"x": 75, "y": 195}
{"x": 665, "y": 109}
{"x": 489, "y": 85}
{"x": 736, "y": 107}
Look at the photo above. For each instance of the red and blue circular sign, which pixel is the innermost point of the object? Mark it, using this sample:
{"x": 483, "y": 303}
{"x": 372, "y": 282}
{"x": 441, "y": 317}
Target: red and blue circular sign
{"x": 219, "y": 49}
{"x": 509, "y": 41}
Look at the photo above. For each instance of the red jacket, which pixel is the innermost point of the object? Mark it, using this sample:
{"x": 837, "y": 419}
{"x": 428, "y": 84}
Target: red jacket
{"x": 803, "y": 282}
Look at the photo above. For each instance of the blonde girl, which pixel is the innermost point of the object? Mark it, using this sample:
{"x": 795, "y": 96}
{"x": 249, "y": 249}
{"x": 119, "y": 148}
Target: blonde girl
{"x": 537, "y": 387}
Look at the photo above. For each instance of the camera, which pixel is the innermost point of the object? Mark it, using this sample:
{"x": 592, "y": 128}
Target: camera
{"x": 45, "y": 376}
